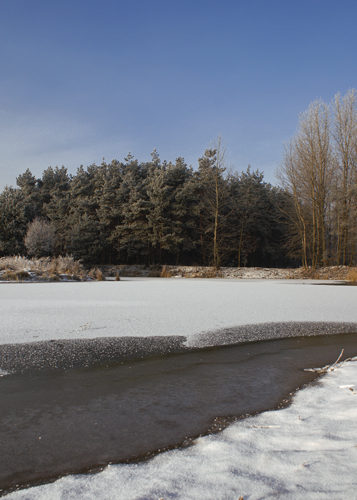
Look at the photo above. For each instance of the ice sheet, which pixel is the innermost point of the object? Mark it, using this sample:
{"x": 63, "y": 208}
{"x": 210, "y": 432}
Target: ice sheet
{"x": 145, "y": 307}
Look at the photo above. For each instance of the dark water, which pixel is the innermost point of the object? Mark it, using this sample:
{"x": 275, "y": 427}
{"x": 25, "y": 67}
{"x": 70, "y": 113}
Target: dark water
{"x": 58, "y": 422}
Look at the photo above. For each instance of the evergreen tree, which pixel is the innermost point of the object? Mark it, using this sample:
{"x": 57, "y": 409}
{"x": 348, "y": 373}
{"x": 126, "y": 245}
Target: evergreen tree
{"x": 85, "y": 236}
{"x": 109, "y": 197}
{"x": 56, "y": 184}
{"x": 183, "y": 212}
{"x": 131, "y": 236}
{"x": 31, "y": 200}
{"x": 13, "y": 224}
{"x": 255, "y": 229}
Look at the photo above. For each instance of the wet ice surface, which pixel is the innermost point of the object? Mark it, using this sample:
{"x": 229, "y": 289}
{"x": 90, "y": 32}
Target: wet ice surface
{"x": 66, "y": 421}
{"x": 313, "y": 456}
{"x": 307, "y": 450}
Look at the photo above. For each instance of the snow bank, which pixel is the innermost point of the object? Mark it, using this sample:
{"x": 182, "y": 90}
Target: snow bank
{"x": 308, "y": 450}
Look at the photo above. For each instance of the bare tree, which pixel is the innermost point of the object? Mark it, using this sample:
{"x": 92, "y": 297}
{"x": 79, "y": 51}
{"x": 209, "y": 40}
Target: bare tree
{"x": 40, "y": 238}
{"x": 213, "y": 195}
{"x": 296, "y": 214}
{"x": 345, "y": 138}
{"x": 306, "y": 173}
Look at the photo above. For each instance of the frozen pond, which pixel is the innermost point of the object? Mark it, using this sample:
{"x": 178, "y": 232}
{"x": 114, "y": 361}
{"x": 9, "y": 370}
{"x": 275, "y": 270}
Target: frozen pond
{"x": 180, "y": 307}
{"x": 117, "y": 371}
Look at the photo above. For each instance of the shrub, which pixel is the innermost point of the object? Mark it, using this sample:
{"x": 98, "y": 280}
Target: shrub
{"x": 40, "y": 238}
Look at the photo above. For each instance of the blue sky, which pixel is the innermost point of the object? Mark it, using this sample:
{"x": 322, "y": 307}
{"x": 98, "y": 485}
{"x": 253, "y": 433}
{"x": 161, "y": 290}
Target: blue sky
{"x": 85, "y": 79}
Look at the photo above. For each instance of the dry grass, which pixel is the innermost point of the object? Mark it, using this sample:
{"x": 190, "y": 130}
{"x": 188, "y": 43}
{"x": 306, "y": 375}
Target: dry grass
{"x": 210, "y": 272}
{"x": 132, "y": 271}
{"x": 53, "y": 277}
{"x": 352, "y": 274}
{"x": 154, "y": 273}
{"x": 133, "y": 274}
{"x": 198, "y": 272}
{"x": 22, "y": 275}
{"x": 18, "y": 268}
{"x": 9, "y": 276}
{"x": 58, "y": 265}
{"x": 165, "y": 273}
{"x": 323, "y": 273}
{"x": 310, "y": 273}
{"x": 96, "y": 274}
{"x": 99, "y": 275}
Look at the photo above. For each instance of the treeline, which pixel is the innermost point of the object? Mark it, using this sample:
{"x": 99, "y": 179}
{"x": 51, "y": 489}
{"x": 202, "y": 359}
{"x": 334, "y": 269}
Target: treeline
{"x": 319, "y": 172}
{"x": 158, "y": 212}
{"x": 149, "y": 213}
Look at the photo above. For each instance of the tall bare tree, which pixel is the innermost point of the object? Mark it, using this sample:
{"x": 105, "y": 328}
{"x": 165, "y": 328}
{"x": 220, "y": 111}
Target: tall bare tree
{"x": 345, "y": 203}
{"x": 306, "y": 173}
{"x": 213, "y": 195}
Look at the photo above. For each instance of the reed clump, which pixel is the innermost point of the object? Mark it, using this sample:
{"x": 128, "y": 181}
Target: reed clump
{"x": 8, "y": 275}
{"x": 19, "y": 268}
{"x": 165, "y": 273}
{"x": 96, "y": 274}
{"x": 352, "y": 274}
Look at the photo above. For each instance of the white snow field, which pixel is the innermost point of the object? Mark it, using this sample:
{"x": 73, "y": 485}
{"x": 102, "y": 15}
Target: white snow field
{"x": 306, "y": 451}
{"x": 145, "y": 307}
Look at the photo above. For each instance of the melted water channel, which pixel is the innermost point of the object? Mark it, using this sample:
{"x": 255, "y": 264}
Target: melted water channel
{"x": 53, "y": 423}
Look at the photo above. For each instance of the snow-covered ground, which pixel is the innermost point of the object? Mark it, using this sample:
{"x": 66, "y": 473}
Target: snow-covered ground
{"x": 306, "y": 451}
